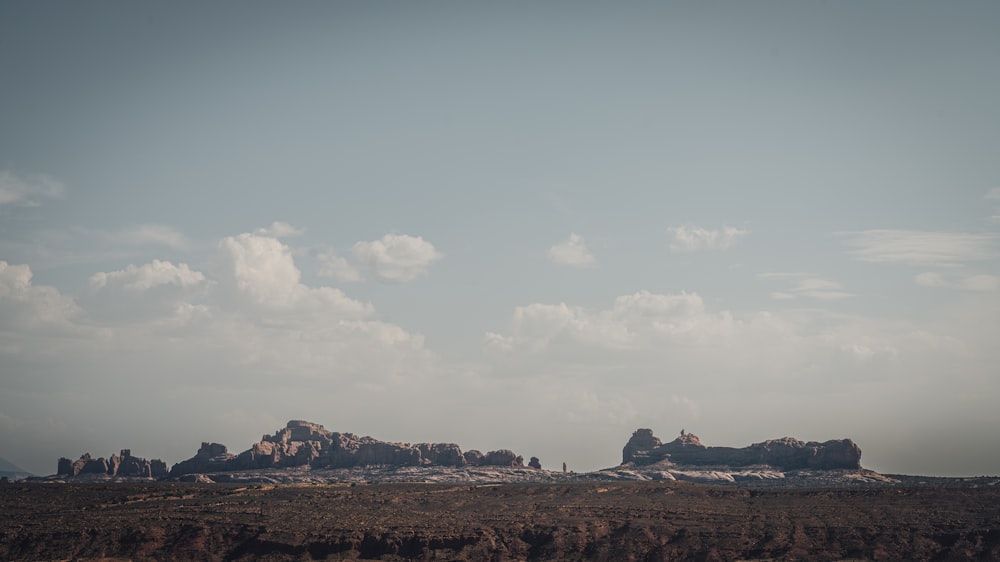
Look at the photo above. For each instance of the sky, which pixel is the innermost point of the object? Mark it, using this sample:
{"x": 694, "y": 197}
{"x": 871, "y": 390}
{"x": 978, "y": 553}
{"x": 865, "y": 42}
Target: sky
{"x": 525, "y": 225}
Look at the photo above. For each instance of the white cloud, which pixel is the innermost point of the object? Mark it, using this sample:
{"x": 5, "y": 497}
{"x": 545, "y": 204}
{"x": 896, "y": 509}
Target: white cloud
{"x": 397, "y": 258}
{"x": 806, "y": 285}
{"x": 28, "y": 191}
{"x": 913, "y": 247}
{"x": 25, "y": 307}
{"x": 648, "y": 336}
{"x": 693, "y": 238}
{"x": 150, "y": 275}
{"x": 337, "y": 267}
{"x": 255, "y": 317}
{"x": 280, "y": 229}
{"x": 156, "y": 290}
{"x": 573, "y": 251}
{"x": 261, "y": 271}
{"x": 634, "y": 321}
{"x": 981, "y": 283}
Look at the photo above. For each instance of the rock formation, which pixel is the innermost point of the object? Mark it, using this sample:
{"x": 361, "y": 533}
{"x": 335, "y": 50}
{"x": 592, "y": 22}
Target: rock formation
{"x": 503, "y": 457}
{"x": 125, "y": 465}
{"x": 210, "y": 457}
{"x": 302, "y": 443}
{"x": 786, "y": 453}
{"x": 473, "y": 457}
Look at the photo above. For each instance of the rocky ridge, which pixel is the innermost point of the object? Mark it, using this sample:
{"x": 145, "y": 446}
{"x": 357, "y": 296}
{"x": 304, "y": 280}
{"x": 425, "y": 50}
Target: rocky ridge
{"x": 305, "y": 444}
{"x": 305, "y": 452}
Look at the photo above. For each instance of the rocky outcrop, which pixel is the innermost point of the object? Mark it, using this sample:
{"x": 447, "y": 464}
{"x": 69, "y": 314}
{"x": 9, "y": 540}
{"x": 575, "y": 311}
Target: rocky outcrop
{"x": 639, "y": 445}
{"x": 535, "y": 463}
{"x": 442, "y": 454}
{"x": 473, "y": 457}
{"x": 786, "y": 453}
{"x": 125, "y": 466}
{"x": 502, "y": 457}
{"x": 139, "y": 467}
{"x": 302, "y": 443}
{"x": 211, "y": 457}
{"x": 84, "y": 465}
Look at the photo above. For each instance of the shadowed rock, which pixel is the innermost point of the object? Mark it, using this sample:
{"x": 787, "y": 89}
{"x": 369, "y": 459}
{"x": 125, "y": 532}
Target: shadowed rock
{"x": 786, "y": 453}
{"x": 125, "y": 465}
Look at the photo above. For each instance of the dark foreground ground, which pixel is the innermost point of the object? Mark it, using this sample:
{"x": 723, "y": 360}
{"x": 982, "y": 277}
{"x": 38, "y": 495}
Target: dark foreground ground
{"x": 578, "y": 521}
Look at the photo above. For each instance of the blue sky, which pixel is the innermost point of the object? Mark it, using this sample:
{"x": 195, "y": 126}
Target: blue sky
{"x": 520, "y": 225}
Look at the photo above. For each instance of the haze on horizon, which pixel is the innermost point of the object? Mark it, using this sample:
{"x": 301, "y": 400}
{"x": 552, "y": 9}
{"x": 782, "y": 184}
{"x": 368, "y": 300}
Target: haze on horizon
{"x": 535, "y": 226}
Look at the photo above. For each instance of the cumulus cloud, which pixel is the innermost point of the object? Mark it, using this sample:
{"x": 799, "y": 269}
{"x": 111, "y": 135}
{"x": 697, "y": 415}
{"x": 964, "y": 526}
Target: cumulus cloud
{"x": 573, "y": 252}
{"x": 647, "y": 336}
{"x": 806, "y": 285}
{"x": 695, "y": 239}
{"x": 397, "y": 258}
{"x": 633, "y": 321}
{"x": 337, "y": 267}
{"x": 31, "y": 308}
{"x": 155, "y": 290}
{"x": 261, "y": 271}
{"x": 28, "y": 191}
{"x": 926, "y": 248}
{"x": 153, "y": 274}
{"x": 253, "y": 314}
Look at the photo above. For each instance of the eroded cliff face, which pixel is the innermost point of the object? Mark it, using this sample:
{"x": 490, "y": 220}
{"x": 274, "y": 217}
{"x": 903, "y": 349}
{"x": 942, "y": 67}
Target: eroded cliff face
{"x": 302, "y": 443}
{"x": 787, "y": 453}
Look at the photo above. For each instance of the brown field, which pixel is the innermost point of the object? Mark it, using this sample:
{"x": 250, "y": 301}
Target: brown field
{"x": 576, "y": 521}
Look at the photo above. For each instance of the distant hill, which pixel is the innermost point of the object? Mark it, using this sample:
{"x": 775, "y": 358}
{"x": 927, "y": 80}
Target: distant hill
{"x": 12, "y": 471}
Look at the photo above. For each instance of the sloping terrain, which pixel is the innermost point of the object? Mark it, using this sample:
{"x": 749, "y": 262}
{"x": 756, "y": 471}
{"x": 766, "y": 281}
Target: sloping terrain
{"x": 11, "y": 470}
{"x": 576, "y": 521}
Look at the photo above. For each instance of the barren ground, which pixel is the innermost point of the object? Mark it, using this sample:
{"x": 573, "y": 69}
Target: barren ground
{"x": 573, "y": 521}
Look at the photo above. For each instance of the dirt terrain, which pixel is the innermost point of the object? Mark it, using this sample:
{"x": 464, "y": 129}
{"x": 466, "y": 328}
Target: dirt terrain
{"x": 664, "y": 520}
